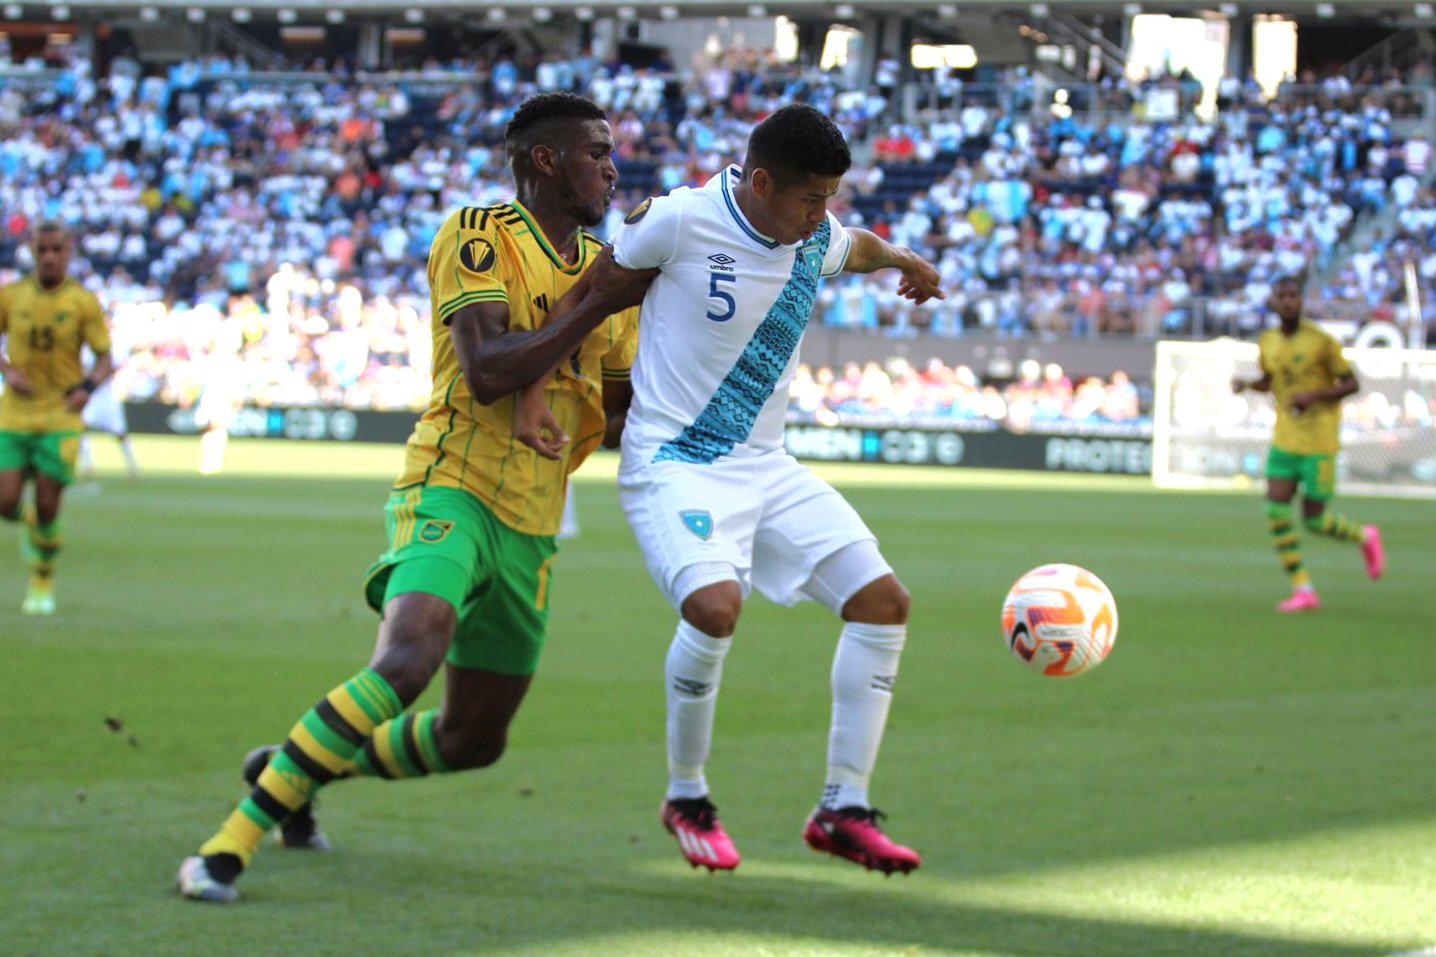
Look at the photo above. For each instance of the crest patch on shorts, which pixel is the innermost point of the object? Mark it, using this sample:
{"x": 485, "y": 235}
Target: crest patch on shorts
{"x": 697, "y": 521}
{"x": 435, "y": 531}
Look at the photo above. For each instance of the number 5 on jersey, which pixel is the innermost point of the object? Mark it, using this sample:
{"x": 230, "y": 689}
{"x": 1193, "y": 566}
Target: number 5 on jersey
{"x": 729, "y": 307}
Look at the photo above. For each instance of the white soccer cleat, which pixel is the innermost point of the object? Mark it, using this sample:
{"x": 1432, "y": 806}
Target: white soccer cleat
{"x": 195, "y": 882}
{"x": 39, "y": 598}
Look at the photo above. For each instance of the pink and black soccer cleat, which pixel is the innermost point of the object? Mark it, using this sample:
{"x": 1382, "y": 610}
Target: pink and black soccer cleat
{"x": 852, "y": 833}
{"x": 694, "y": 823}
{"x": 1304, "y": 599}
{"x": 1375, "y": 554}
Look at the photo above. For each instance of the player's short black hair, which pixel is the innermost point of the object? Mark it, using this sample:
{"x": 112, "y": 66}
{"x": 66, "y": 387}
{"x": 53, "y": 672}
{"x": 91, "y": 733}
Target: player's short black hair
{"x": 539, "y": 116}
{"x": 1289, "y": 279}
{"x": 797, "y": 141}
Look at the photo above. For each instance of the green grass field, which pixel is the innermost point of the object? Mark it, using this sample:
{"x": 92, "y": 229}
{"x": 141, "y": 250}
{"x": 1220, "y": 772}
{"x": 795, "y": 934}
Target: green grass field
{"x": 1230, "y": 782}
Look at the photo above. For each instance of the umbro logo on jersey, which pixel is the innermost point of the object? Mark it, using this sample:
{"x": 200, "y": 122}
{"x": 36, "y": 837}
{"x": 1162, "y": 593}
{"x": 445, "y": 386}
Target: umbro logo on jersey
{"x": 722, "y": 261}
{"x": 698, "y": 522}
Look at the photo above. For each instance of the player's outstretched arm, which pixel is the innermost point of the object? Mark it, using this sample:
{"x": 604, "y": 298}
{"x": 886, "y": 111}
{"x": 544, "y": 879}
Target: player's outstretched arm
{"x": 606, "y": 288}
{"x": 870, "y": 252}
{"x": 497, "y": 362}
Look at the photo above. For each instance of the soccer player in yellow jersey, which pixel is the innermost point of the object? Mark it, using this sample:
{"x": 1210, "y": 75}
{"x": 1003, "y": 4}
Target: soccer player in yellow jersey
{"x": 45, "y": 320}
{"x": 473, "y": 515}
{"x": 1304, "y": 370}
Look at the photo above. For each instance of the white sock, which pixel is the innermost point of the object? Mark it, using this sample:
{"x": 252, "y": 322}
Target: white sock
{"x": 211, "y": 451}
{"x": 569, "y": 526}
{"x": 691, "y": 675}
{"x": 127, "y": 449}
{"x": 85, "y": 463}
{"x": 864, "y": 669}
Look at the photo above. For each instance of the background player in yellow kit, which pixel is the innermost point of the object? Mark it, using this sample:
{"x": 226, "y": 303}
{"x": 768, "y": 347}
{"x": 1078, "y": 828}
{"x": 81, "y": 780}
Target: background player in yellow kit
{"x": 473, "y": 516}
{"x": 1304, "y": 370}
{"x": 45, "y": 320}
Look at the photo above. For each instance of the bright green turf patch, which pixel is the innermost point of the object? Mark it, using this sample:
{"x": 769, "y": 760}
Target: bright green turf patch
{"x": 1230, "y": 783}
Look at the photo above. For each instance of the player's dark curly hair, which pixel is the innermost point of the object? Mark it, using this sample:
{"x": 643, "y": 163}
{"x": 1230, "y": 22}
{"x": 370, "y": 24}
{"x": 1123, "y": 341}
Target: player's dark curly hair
{"x": 797, "y": 141}
{"x": 540, "y": 116}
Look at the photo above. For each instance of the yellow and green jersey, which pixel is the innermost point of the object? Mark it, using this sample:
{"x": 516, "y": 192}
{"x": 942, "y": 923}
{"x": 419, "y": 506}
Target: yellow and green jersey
{"x": 1307, "y": 360}
{"x": 499, "y": 254}
{"x": 44, "y": 330}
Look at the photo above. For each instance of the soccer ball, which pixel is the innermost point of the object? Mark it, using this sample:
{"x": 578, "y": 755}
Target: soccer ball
{"x": 1059, "y": 620}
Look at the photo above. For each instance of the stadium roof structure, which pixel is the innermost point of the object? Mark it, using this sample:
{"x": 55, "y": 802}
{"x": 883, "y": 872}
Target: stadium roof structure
{"x": 1409, "y": 12}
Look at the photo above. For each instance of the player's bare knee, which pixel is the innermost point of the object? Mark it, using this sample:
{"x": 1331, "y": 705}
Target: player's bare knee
{"x": 464, "y": 751}
{"x": 413, "y": 640}
{"x": 714, "y": 609}
{"x": 882, "y": 602}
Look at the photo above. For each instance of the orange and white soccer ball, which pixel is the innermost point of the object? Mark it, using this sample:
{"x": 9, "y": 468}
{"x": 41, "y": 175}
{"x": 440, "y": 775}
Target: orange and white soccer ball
{"x": 1059, "y": 620}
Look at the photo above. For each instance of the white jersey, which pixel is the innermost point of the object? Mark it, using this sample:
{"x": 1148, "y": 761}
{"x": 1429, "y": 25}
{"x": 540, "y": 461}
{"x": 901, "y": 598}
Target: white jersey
{"x": 720, "y": 326}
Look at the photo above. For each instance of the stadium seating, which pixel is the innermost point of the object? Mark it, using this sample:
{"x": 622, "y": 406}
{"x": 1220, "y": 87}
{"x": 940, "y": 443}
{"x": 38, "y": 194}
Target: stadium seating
{"x": 288, "y": 216}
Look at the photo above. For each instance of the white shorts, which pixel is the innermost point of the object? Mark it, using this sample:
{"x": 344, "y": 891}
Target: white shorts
{"x": 765, "y": 520}
{"x": 105, "y": 413}
{"x": 214, "y": 410}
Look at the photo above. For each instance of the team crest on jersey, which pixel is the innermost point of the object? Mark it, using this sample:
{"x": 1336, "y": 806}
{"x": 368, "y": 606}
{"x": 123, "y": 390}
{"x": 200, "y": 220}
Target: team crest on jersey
{"x": 435, "y": 531}
{"x": 477, "y": 255}
{"x": 698, "y": 521}
{"x": 639, "y": 211}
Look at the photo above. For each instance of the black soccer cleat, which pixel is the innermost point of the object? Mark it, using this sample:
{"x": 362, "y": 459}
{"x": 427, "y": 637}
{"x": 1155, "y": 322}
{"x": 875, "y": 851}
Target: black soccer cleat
{"x": 299, "y": 831}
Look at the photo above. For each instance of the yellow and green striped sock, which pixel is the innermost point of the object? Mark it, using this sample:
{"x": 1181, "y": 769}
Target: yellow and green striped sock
{"x": 45, "y": 543}
{"x": 1288, "y": 545}
{"x": 404, "y": 747}
{"x": 320, "y": 748}
{"x": 1334, "y": 525}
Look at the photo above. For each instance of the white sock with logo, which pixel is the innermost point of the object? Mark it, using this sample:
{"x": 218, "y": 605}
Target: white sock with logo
{"x": 864, "y": 669}
{"x": 691, "y": 675}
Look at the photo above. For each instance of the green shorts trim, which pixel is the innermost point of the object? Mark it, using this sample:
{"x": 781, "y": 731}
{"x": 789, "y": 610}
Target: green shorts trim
{"x": 445, "y": 542}
{"x": 51, "y": 454}
{"x": 1316, "y": 474}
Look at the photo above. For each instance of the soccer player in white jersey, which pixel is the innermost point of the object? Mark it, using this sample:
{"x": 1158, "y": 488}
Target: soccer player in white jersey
{"x": 716, "y": 503}
{"x": 105, "y": 413}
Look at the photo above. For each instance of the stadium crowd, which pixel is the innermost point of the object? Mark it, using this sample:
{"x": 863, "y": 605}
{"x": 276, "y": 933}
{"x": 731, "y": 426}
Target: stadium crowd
{"x": 286, "y": 223}
{"x": 938, "y": 395}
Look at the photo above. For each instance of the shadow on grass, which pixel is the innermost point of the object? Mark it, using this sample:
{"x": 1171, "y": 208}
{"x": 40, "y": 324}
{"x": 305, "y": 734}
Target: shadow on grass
{"x": 537, "y": 907}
